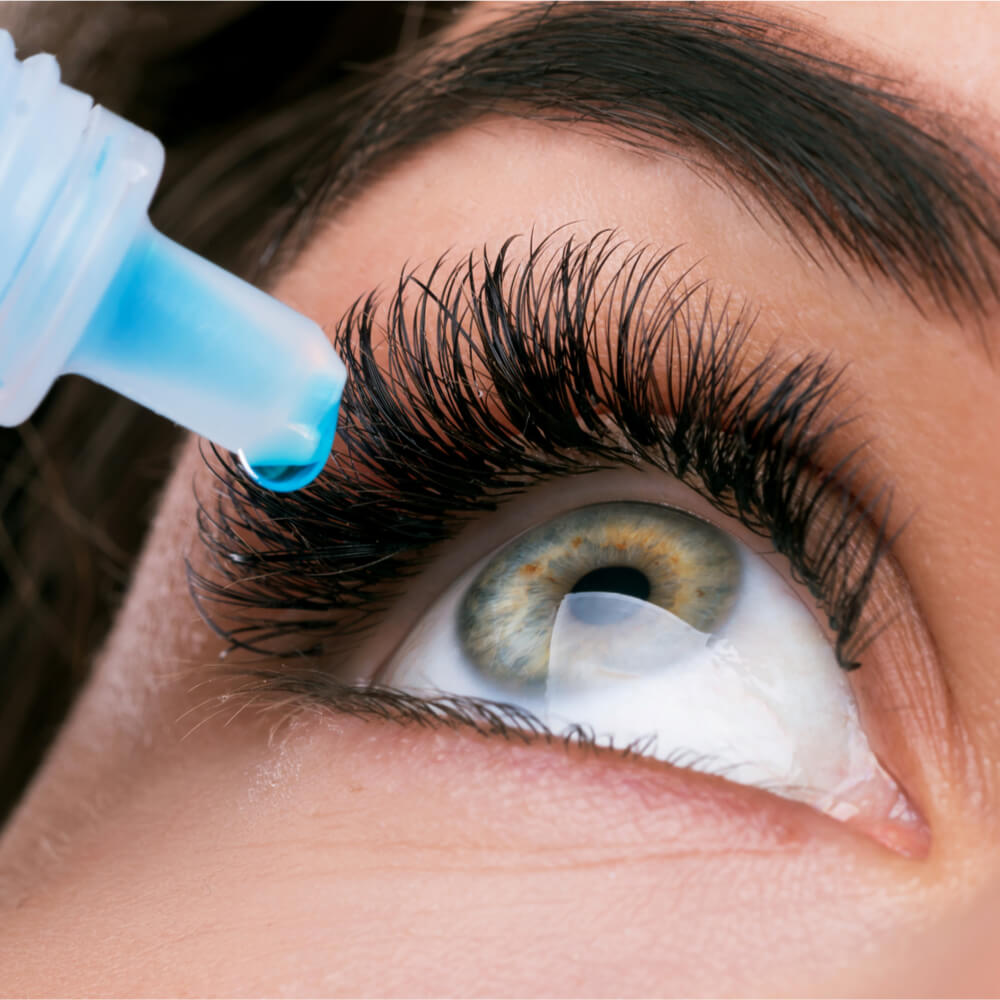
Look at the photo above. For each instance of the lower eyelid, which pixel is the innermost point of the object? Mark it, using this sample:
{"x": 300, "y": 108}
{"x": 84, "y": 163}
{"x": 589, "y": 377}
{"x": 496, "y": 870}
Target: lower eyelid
{"x": 561, "y": 796}
{"x": 557, "y": 796}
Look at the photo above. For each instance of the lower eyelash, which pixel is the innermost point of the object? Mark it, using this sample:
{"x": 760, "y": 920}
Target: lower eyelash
{"x": 304, "y": 688}
{"x": 502, "y": 375}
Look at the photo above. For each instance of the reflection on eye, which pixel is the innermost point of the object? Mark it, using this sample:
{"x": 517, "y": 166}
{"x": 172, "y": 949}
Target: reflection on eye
{"x": 654, "y": 629}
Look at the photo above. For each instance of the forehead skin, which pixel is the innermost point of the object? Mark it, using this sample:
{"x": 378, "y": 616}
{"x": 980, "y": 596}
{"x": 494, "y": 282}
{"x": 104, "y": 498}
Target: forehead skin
{"x": 168, "y": 850}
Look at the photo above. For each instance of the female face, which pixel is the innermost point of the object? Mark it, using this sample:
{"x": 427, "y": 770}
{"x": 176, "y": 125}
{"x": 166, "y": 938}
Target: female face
{"x": 193, "y": 832}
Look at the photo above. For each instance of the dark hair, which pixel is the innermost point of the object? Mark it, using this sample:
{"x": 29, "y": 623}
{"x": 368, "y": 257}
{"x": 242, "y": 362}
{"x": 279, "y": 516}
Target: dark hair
{"x": 79, "y": 481}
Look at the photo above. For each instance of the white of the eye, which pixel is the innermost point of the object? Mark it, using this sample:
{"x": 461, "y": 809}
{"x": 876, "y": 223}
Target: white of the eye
{"x": 645, "y": 671}
{"x": 762, "y": 701}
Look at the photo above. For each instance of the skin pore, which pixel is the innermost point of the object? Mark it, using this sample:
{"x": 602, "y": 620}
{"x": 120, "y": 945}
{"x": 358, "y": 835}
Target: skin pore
{"x": 169, "y": 847}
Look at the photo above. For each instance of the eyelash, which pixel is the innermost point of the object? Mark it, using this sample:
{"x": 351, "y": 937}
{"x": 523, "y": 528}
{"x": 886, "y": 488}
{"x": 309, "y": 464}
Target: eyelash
{"x": 588, "y": 367}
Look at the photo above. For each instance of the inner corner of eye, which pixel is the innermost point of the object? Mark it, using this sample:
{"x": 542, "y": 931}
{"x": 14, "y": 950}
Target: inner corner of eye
{"x": 648, "y": 626}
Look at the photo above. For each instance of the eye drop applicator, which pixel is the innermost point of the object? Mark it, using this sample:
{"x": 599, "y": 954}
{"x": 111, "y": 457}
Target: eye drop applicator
{"x": 88, "y": 286}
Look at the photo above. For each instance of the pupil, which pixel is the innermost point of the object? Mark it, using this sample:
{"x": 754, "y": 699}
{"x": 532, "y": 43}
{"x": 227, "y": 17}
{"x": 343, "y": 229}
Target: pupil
{"x": 608, "y": 580}
{"x": 614, "y": 580}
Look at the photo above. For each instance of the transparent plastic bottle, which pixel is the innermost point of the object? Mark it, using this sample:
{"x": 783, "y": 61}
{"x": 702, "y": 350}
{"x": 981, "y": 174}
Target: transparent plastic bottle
{"x": 87, "y": 285}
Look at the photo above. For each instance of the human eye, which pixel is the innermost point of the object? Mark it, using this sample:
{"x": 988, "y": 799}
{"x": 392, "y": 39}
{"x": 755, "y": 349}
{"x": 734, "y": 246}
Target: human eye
{"x": 639, "y": 625}
{"x": 583, "y": 371}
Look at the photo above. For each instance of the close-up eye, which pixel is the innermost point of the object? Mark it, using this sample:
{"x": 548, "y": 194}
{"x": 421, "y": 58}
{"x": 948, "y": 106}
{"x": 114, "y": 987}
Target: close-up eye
{"x": 500, "y": 502}
{"x": 719, "y": 633}
{"x": 648, "y": 628}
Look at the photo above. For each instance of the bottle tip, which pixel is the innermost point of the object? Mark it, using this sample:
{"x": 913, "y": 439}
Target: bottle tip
{"x": 281, "y": 478}
{"x": 288, "y": 478}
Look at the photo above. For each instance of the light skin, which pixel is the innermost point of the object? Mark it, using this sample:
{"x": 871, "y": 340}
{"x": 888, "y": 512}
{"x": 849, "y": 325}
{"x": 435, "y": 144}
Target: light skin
{"x": 170, "y": 849}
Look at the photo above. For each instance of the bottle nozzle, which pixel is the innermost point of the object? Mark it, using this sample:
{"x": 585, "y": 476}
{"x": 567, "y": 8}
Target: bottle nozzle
{"x": 198, "y": 345}
{"x": 88, "y": 286}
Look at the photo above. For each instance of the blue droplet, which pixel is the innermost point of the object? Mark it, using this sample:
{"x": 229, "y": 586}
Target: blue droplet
{"x": 288, "y": 478}
{"x": 282, "y": 478}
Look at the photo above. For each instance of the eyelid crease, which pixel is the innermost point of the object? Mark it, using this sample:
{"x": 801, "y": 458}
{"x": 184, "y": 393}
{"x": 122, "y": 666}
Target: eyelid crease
{"x": 498, "y": 375}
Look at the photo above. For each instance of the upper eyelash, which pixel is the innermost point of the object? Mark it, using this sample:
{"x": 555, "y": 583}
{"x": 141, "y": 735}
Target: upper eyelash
{"x": 499, "y": 375}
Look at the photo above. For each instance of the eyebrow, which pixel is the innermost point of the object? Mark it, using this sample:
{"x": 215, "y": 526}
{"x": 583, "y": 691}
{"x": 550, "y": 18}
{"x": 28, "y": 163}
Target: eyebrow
{"x": 867, "y": 175}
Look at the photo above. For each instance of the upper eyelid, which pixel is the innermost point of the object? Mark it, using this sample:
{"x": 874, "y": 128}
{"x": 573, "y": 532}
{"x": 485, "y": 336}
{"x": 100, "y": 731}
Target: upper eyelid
{"x": 403, "y": 482}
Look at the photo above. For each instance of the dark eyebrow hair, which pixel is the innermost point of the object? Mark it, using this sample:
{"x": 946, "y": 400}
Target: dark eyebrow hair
{"x": 825, "y": 149}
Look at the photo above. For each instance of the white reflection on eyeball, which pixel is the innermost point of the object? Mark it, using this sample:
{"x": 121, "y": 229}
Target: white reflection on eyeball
{"x": 761, "y": 701}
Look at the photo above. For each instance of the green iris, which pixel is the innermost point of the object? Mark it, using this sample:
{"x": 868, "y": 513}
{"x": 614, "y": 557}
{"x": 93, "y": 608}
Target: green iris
{"x": 657, "y": 554}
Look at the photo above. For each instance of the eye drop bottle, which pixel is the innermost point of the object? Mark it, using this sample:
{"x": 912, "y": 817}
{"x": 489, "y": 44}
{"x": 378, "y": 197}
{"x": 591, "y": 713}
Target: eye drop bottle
{"x": 88, "y": 286}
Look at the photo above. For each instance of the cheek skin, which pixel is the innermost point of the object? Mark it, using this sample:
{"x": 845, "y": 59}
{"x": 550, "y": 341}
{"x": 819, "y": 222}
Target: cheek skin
{"x": 301, "y": 868}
